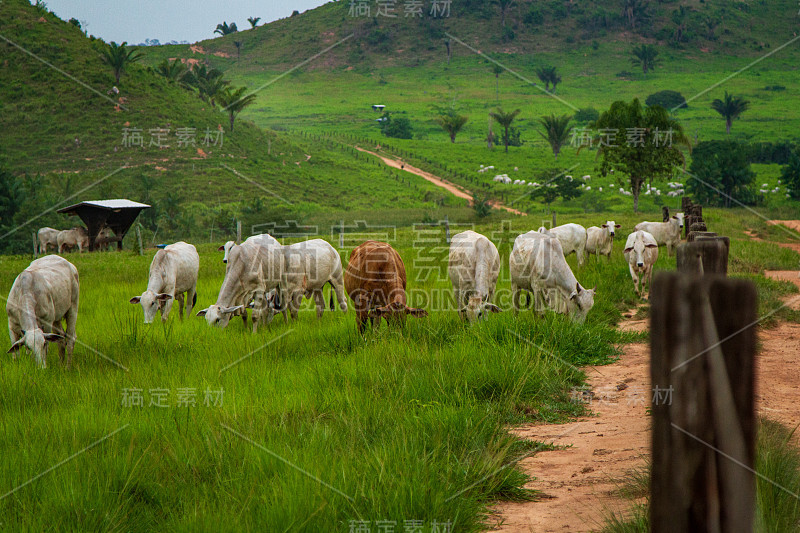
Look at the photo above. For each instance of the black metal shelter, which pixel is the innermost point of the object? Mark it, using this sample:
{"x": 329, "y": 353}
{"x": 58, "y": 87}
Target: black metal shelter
{"x": 118, "y": 215}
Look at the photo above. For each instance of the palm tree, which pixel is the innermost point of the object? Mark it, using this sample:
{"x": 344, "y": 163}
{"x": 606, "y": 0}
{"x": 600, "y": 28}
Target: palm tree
{"x": 497, "y": 70}
{"x": 505, "y": 120}
{"x": 253, "y": 21}
{"x": 174, "y": 70}
{"x": 556, "y": 131}
{"x": 548, "y": 75}
{"x": 634, "y": 10}
{"x": 555, "y": 79}
{"x": 451, "y": 122}
{"x": 679, "y": 18}
{"x": 238, "y": 45}
{"x": 645, "y": 55}
{"x": 504, "y": 5}
{"x": 730, "y": 107}
{"x": 119, "y": 56}
{"x": 225, "y": 29}
{"x": 211, "y": 88}
{"x": 233, "y": 101}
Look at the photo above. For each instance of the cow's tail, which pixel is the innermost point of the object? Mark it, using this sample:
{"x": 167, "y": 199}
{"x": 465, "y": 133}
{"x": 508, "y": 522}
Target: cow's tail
{"x": 332, "y": 291}
{"x": 194, "y": 299}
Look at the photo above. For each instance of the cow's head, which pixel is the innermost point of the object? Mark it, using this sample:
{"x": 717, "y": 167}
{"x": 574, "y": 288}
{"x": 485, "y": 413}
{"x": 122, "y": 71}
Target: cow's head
{"x": 265, "y": 306}
{"x": 226, "y": 248}
{"x": 611, "y": 226}
{"x": 637, "y": 252}
{"x": 679, "y": 218}
{"x": 150, "y": 302}
{"x": 582, "y": 301}
{"x": 219, "y": 316}
{"x": 396, "y": 310}
{"x": 35, "y": 340}
{"x": 478, "y": 309}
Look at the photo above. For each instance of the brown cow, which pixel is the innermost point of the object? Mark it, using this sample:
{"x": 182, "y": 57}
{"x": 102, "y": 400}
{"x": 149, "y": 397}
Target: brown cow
{"x": 375, "y": 280}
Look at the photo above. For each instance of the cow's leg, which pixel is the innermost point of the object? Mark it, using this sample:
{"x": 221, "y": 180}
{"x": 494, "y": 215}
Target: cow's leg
{"x": 319, "y": 300}
{"x": 338, "y": 287}
{"x": 14, "y": 338}
{"x": 515, "y": 295}
{"x": 635, "y": 279}
{"x": 191, "y": 296}
{"x": 294, "y": 304}
{"x": 72, "y": 320}
{"x": 167, "y": 306}
{"x": 59, "y": 328}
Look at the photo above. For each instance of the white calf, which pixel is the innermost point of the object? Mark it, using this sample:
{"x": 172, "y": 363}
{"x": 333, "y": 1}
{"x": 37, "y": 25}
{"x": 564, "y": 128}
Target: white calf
{"x": 641, "y": 253}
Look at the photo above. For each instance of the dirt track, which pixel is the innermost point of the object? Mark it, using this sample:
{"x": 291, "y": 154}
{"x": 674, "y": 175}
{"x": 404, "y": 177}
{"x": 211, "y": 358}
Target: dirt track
{"x": 578, "y": 481}
{"x": 457, "y": 190}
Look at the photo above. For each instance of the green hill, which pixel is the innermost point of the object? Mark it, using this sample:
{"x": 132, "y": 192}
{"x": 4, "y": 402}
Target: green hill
{"x": 65, "y": 136}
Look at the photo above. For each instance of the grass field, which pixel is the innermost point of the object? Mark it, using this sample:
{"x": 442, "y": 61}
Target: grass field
{"x": 316, "y": 426}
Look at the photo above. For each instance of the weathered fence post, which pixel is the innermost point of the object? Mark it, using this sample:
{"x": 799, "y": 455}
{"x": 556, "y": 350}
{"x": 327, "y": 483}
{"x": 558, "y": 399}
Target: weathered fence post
{"x": 341, "y": 235}
{"x": 446, "y": 229}
{"x": 238, "y": 231}
{"x": 139, "y": 245}
{"x": 706, "y": 256}
{"x": 554, "y": 220}
{"x": 664, "y": 213}
{"x": 703, "y": 342}
{"x": 35, "y": 247}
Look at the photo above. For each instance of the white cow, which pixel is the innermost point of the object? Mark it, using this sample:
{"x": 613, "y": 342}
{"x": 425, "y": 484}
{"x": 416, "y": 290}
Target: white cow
{"x": 73, "y": 237}
{"x": 473, "y": 268}
{"x": 254, "y": 265}
{"x": 173, "y": 275}
{"x": 537, "y": 265}
{"x": 230, "y": 244}
{"x": 641, "y": 253}
{"x": 47, "y": 237}
{"x": 572, "y": 238}
{"x": 307, "y": 267}
{"x": 665, "y": 233}
{"x": 43, "y": 295}
{"x": 600, "y": 241}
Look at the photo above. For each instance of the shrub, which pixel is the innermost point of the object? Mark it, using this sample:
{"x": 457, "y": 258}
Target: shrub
{"x": 534, "y": 16}
{"x": 586, "y": 114}
{"x": 667, "y": 99}
{"x": 399, "y": 128}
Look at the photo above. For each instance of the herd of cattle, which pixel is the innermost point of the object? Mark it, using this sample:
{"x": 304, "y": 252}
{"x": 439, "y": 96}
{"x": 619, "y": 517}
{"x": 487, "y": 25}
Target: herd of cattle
{"x": 270, "y": 278}
{"x": 68, "y": 239}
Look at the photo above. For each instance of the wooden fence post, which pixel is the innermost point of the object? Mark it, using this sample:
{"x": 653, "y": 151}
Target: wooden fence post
{"x": 35, "y": 247}
{"x": 341, "y": 235}
{"x": 708, "y": 256}
{"x": 238, "y": 231}
{"x": 140, "y": 247}
{"x": 554, "y": 220}
{"x": 446, "y": 229}
{"x": 703, "y": 342}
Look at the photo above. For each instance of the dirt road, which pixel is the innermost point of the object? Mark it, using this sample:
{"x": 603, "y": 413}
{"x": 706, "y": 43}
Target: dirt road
{"x": 457, "y": 190}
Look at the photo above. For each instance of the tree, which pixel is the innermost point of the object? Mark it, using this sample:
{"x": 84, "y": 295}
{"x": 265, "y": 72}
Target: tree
{"x": 548, "y": 75}
{"x": 679, "y": 18}
{"x": 641, "y": 143}
{"x": 790, "y": 175}
{"x": 253, "y": 21}
{"x": 720, "y": 171}
{"x": 556, "y": 131}
{"x": 634, "y": 11}
{"x": 174, "y": 70}
{"x": 504, "y": 6}
{"x": 451, "y": 122}
{"x": 555, "y": 185}
{"x": 118, "y": 57}
{"x": 225, "y": 29}
{"x": 505, "y": 120}
{"x": 645, "y": 55}
{"x": 233, "y": 101}
{"x": 75, "y": 22}
{"x": 481, "y": 205}
{"x": 211, "y": 88}
{"x": 730, "y": 107}
{"x": 399, "y": 128}
{"x": 497, "y": 70}
{"x": 238, "y": 45}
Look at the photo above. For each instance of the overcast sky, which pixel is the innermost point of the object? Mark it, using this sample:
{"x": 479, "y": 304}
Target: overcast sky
{"x": 167, "y": 20}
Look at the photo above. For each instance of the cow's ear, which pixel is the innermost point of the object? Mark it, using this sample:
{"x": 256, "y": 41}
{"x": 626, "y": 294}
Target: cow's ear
{"x": 221, "y": 248}
{"x": 578, "y": 288}
{"x": 230, "y": 309}
{"x": 651, "y": 245}
{"x": 17, "y": 345}
{"x": 203, "y": 312}
{"x": 626, "y": 250}
{"x": 675, "y": 217}
{"x": 493, "y": 308}
{"x": 617, "y": 225}
{"x": 135, "y": 300}
{"x": 416, "y": 312}
{"x": 162, "y": 297}
{"x": 53, "y": 337}
{"x": 604, "y": 226}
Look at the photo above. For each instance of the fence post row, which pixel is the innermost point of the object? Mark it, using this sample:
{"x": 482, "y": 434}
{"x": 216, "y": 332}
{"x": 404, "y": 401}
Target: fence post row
{"x": 703, "y": 342}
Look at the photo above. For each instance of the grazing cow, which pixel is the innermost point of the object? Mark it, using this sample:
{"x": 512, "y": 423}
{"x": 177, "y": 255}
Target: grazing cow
{"x": 47, "y": 237}
{"x": 537, "y": 265}
{"x": 104, "y": 239}
{"x": 572, "y": 238}
{"x": 173, "y": 274}
{"x": 78, "y": 236}
{"x": 252, "y": 266}
{"x": 230, "y": 244}
{"x": 641, "y": 253}
{"x": 600, "y": 241}
{"x": 473, "y": 268}
{"x": 375, "y": 279}
{"x": 665, "y": 233}
{"x": 307, "y": 267}
{"x": 43, "y": 295}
